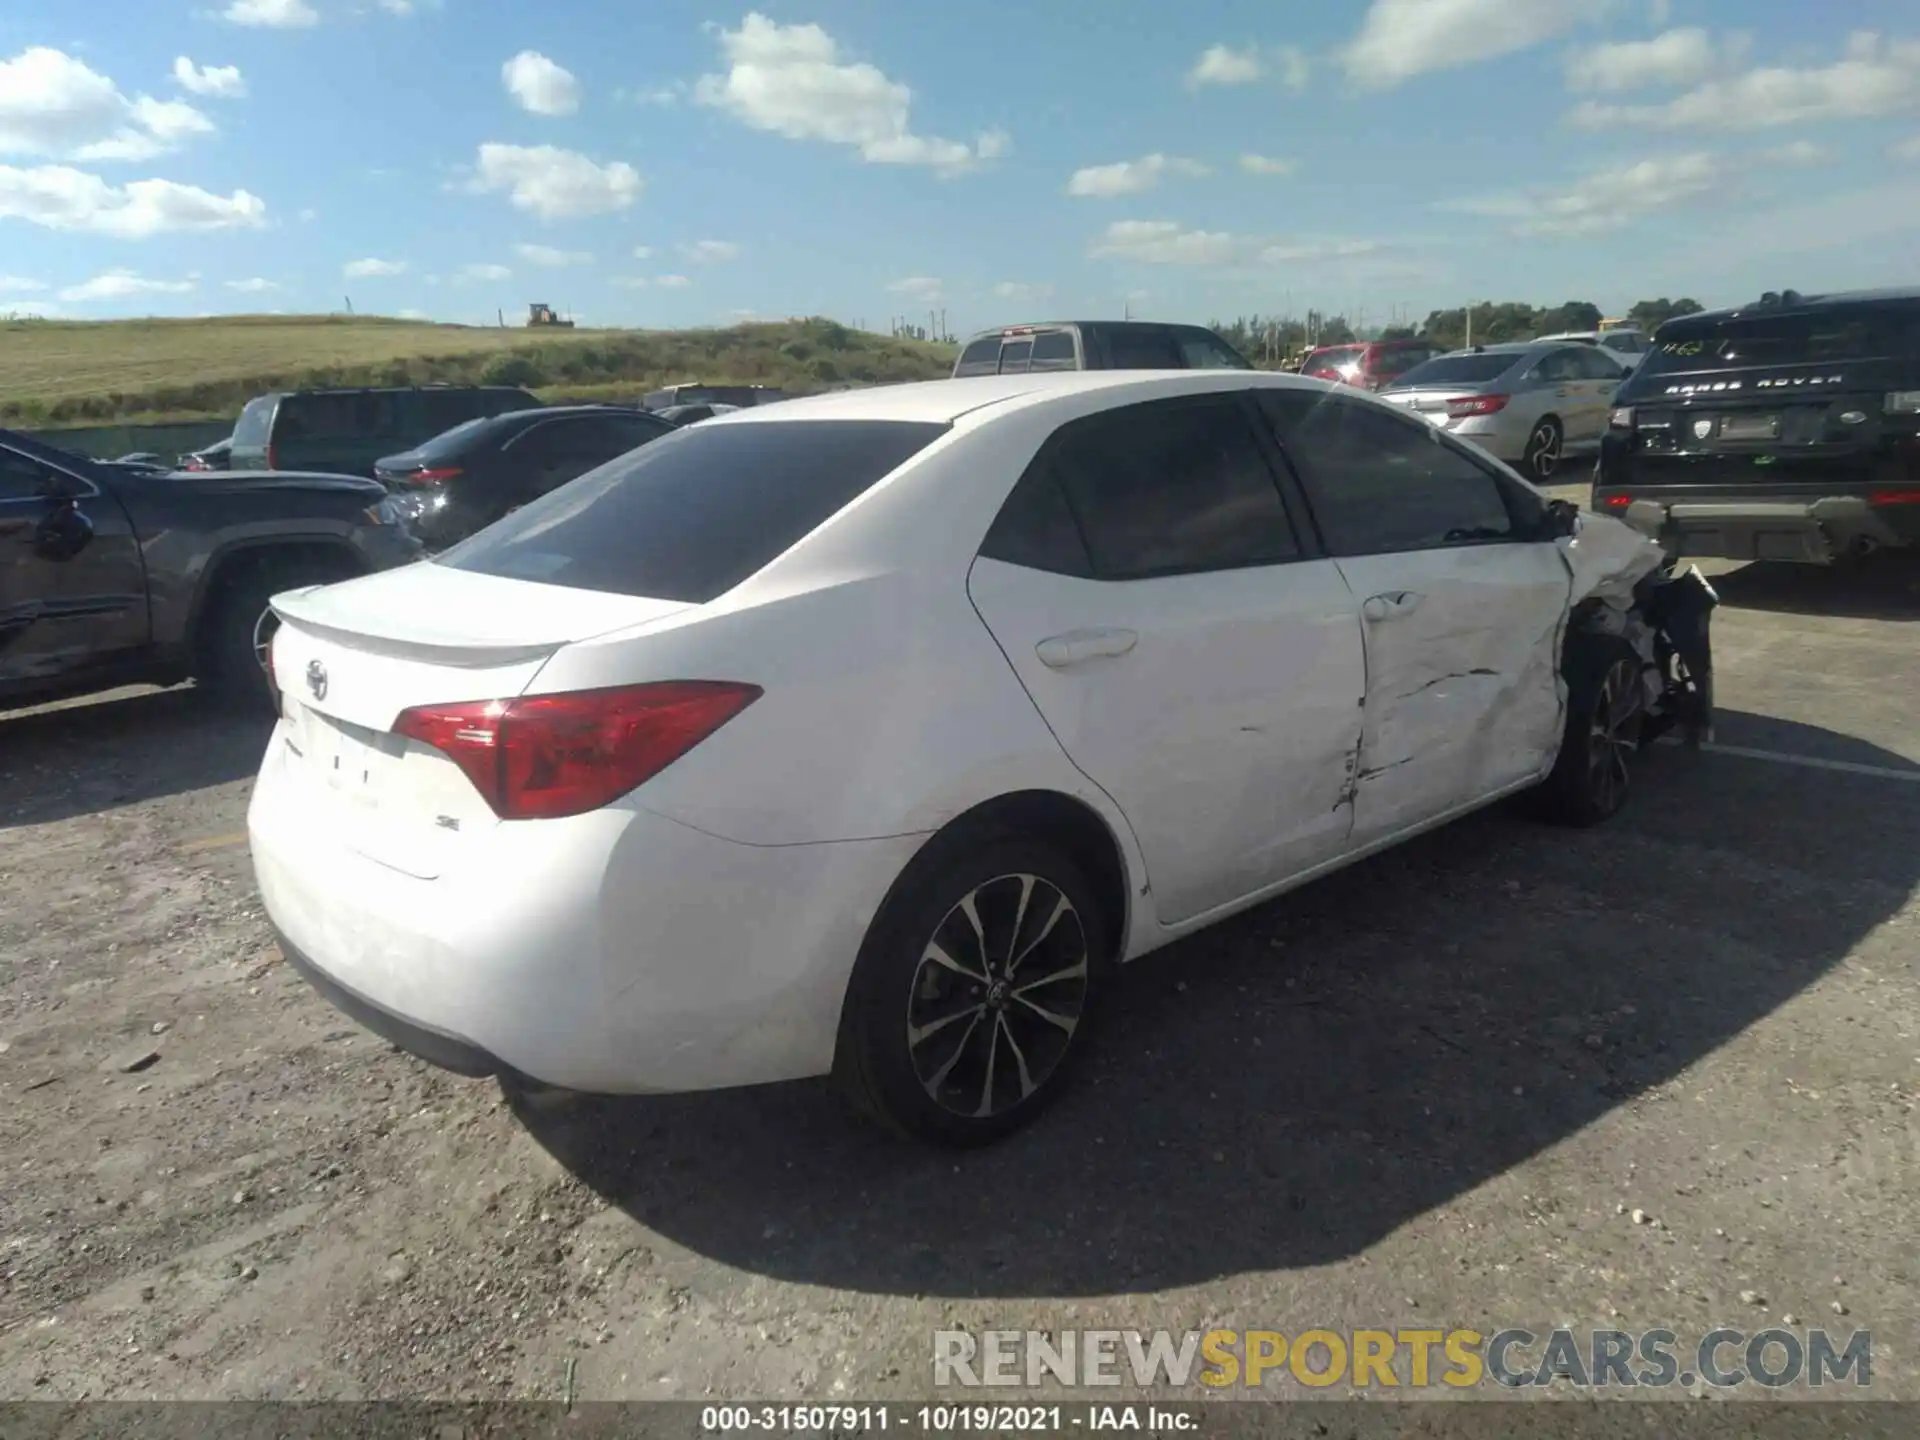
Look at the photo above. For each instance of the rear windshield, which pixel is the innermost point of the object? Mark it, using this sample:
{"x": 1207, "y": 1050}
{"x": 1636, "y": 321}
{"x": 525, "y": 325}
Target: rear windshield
{"x": 255, "y": 423}
{"x": 1458, "y": 370}
{"x": 1814, "y": 339}
{"x": 451, "y": 441}
{"x": 695, "y": 513}
{"x": 1333, "y": 359}
{"x": 1398, "y": 359}
{"x": 981, "y": 357}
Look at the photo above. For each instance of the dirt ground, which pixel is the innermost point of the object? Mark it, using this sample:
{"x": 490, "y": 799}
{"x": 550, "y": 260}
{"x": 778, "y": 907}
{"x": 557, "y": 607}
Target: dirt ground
{"x": 1429, "y": 1091}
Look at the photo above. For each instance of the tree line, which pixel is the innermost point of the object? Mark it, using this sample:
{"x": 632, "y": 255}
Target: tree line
{"x": 1272, "y": 338}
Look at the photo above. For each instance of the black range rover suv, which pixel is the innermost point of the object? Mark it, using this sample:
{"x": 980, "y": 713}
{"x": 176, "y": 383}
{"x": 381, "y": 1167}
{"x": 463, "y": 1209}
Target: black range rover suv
{"x": 1783, "y": 430}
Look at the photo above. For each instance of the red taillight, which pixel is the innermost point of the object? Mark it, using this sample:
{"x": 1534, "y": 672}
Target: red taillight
{"x": 541, "y": 757}
{"x": 1617, "y": 502}
{"x": 431, "y": 477}
{"x": 1471, "y": 405}
{"x": 273, "y": 459}
{"x": 1894, "y": 497}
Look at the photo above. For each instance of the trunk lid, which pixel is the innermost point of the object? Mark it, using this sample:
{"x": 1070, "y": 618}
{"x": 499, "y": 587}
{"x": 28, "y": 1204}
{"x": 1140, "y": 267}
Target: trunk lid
{"x": 349, "y": 658}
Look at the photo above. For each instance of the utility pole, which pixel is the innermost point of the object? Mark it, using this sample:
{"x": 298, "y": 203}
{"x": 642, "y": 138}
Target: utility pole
{"x": 1469, "y": 325}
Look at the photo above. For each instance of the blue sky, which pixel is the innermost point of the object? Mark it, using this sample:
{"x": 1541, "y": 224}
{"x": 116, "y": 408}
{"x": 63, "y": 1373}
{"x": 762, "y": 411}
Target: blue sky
{"x": 665, "y": 163}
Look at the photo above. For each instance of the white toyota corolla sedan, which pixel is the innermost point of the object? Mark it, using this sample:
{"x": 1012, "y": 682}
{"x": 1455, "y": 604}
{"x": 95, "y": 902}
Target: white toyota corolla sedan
{"x": 865, "y": 734}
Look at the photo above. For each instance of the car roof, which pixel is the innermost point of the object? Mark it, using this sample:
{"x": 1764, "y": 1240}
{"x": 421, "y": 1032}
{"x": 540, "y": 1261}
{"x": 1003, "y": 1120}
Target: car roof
{"x": 1902, "y": 296}
{"x": 942, "y": 402}
{"x": 982, "y": 334}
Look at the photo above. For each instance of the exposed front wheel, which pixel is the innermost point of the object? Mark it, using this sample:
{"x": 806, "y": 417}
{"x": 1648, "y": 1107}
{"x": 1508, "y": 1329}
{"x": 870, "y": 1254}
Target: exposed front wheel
{"x": 1542, "y": 456}
{"x": 1605, "y": 708}
{"x": 973, "y": 994}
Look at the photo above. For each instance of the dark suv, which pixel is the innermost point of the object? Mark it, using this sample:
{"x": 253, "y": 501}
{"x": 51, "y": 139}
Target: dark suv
{"x": 1784, "y": 430}
{"x": 346, "y": 431}
{"x": 114, "y": 575}
{"x": 1095, "y": 345}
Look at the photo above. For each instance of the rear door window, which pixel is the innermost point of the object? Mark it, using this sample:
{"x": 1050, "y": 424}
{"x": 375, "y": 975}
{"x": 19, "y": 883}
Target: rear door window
{"x": 1203, "y": 351}
{"x": 255, "y": 425}
{"x": 693, "y": 514}
{"x": 1560, "y": 367}
{"x": 1134, "y": 347}
{"x": 1172, "y": 487}
{"x": 1014, "y": 356}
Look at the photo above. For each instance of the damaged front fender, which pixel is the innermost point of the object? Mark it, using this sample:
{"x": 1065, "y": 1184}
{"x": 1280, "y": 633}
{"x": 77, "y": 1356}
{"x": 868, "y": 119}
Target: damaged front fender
{"x": 1625, "y": 584}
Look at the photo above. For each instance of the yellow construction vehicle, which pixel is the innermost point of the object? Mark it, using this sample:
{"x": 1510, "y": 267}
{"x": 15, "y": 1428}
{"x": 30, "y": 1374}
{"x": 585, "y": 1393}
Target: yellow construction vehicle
{"x": 541, "y": 316}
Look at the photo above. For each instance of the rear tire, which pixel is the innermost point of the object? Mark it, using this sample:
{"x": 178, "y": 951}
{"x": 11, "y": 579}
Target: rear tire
{"x": 1606, "y": 703}
{"x": 1545, "y": 446}
{"x": 973, "y": 993}
{"x": 239, "y": 625}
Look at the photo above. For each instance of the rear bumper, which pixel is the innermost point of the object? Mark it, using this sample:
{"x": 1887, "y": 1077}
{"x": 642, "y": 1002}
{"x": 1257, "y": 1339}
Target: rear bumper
{"x": 1816, "y": 531}
{"x": 617, "y": 952}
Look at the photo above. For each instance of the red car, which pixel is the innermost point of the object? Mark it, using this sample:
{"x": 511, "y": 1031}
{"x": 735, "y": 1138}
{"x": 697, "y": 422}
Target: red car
{"x": 1370, "y": 364}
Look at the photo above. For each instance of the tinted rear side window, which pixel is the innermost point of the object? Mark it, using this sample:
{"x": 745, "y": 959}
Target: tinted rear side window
{"x": 255, "y": 423}
{"x": 696, "y": 512}
{"x": 981, "y": 357}
{"x": 1129, "y": 348}
{"x": 1053, "y": 350}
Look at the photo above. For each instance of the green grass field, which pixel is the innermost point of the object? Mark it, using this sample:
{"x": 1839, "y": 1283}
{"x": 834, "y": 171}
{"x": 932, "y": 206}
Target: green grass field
{"x": 56, "y": 373}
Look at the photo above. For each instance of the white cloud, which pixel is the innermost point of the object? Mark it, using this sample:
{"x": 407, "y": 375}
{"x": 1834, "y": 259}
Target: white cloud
{"x": 255, "y": 286}
{"x": 1130, "y": 177}
{"x": 673, "y": 282}
{"x": 1267, "y": 165}
{"x": 1400, "y": 39}
{"x": 556, "y": 184}
{"x": 367, "y": 269}
{"x": 643, "y": 252}
{"x": 1606, "y": 199}
{"x": 1166, "y": 242}
{"x": 1876, "y": 77}
{"x": 1907, "y": 149}
{"x": 307, "y": 217}
{"x": 18, "y": 285}
{"x": 1796, "y": 152}
{"x": 1316, "y": 252}
{"x": 710, "y": 252}
{"x": 1679, "y": 57}
{"x": 1223, "y": 65}
{"x": 60, "y": 198}
{"x": 539, "y": 86}
{"x": 1295, "y": 70}
{"x": 272, "y": 14}
{"x": 484, "y": 272}
{"x": 121, "y": 284}
{"x": 664, "y": 96}
{"x": 552, "y": 257}
{"x": 55, "y": 106}
{"x": 1021, "y": 290}
{"x": 924, "y": 289}
{"x": 219, "y": 82}
{"x": 791, "y": 80}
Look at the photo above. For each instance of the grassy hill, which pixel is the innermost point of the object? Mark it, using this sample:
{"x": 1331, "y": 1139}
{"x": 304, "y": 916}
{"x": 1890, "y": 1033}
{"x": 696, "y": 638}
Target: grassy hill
{"x": 56, "y": 373}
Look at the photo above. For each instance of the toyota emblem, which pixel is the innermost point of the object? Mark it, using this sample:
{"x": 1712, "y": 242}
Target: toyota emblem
{"x": 317, "y": 679}
{"x": 1701, "y": 429}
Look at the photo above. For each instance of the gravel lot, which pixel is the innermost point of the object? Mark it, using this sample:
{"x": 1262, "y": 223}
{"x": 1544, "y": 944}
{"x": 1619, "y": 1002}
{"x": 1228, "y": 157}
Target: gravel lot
{"x": 1428, "y": 1091}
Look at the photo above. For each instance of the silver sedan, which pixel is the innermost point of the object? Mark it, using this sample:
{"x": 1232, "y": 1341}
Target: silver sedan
{"x": 1528, "y": 404}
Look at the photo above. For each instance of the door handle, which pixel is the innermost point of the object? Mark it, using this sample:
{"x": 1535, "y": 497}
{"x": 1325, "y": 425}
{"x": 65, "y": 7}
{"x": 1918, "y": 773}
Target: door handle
{"x": 1391, "y": 604}
{"x": 1077, "y": 647}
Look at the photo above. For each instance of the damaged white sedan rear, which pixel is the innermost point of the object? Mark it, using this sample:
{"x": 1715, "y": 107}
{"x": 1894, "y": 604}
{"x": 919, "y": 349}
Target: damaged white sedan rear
{"x": 867, "y": 734}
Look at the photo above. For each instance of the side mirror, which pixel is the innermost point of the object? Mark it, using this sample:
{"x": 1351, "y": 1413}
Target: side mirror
{"x": 1562, "y": 520}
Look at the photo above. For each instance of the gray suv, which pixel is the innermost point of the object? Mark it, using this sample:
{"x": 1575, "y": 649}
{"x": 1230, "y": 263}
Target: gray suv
{"x": 1095, "y": 345}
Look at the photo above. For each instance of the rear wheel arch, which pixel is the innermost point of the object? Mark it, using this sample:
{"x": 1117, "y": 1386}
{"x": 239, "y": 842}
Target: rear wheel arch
{"x": 244, "y": 558}
{"x": 224, "y": 637}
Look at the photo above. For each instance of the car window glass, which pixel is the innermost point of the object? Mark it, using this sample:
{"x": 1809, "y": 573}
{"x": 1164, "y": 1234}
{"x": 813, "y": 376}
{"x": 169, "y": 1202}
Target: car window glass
{"x": 1201, "y": 351}
{"x": 693, "y": 514}
{"x": 1162, "y": 488}
{"x": 1014, "y": 355}
{"x": 536, "y": 445}
{"x": 1596, "y": 365}
{"x": 1053, "y": 351}
{"x": 1380, "y": 484}
{"x": 624, "y": 432}
{"x": 255, "y": 423}
{"x": 23, "y": 479}
{"x": 1036, "y": 528}
{"x": 1559, "y": 366}
{"x": 1136, "y": 348}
